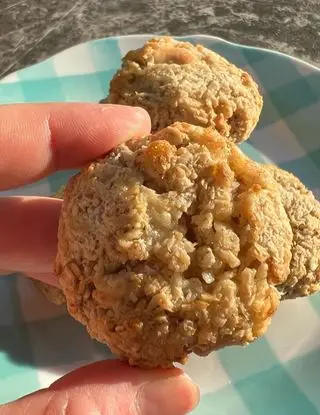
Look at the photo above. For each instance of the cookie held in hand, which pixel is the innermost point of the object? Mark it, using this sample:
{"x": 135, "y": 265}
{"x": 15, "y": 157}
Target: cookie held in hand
{"x": 173, "y": 243}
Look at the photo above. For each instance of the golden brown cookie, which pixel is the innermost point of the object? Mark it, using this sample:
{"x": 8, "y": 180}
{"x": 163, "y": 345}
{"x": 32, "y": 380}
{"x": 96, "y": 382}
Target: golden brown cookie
{"x": 177, "y": 81}
{"x": 173, "y": 244}
{"x": 303, "y": 211}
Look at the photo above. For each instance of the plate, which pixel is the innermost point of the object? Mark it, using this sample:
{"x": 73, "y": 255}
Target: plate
{"x": 280, "y": 373}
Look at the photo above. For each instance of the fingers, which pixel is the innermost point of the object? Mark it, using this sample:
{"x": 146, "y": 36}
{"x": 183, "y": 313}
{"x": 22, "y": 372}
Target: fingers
{"x": 112, "y": 388}
{"x": 28, "y": 236}
{"x": 36, "y": 140}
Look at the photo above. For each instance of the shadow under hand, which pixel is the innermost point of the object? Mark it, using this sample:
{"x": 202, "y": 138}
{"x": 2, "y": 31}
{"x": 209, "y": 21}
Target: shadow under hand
{"x": 35, "y": 333}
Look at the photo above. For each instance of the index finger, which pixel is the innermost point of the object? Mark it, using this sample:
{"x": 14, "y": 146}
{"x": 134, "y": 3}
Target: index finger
{"x": 38, "y": 139}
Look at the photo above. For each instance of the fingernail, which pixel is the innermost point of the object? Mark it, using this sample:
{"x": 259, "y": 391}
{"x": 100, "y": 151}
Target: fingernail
{"x": 171, "y": 396}
{"x": 143, "y": 122}
{"x": 132, "y": 119}
{"x": 140, "y": 113}
{"x": 139, "y": 121}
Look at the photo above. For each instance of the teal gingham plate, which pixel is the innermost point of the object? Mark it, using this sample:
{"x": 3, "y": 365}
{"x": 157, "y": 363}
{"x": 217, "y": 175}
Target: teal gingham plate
{"x": 279, "y": 374}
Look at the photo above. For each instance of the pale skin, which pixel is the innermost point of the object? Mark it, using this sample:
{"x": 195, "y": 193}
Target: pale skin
{"x": 36, "y": 140}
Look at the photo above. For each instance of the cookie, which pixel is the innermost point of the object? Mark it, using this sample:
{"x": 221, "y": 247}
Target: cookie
{"x": 171, "y": 244}
{"x": 303, "y": 211}
{"x": 177, "y": 81}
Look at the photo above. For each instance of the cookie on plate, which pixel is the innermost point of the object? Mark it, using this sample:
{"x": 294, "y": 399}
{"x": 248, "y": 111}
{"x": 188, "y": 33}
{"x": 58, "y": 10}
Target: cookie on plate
{"x": 173, "y": 243}
{"x": 303, "y": 211}
{"x": 177, "y": 81}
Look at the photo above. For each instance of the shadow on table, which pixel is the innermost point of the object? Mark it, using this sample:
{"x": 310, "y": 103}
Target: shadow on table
{"x": 36, "y": 333}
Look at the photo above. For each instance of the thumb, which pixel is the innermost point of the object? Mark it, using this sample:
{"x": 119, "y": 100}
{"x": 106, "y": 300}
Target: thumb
{"x": 111, "y": 388}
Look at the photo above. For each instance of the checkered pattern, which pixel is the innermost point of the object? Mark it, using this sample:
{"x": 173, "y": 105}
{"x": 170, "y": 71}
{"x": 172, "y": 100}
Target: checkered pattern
{"x": 280, "y": 373}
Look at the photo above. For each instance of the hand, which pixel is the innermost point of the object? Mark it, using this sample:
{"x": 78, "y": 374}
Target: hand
{"x": 36, "y": 140}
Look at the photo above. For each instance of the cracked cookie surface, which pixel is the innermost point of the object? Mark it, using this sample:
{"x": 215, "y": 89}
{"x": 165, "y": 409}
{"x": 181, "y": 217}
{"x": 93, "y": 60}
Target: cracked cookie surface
{"x": 173, "y": 243}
